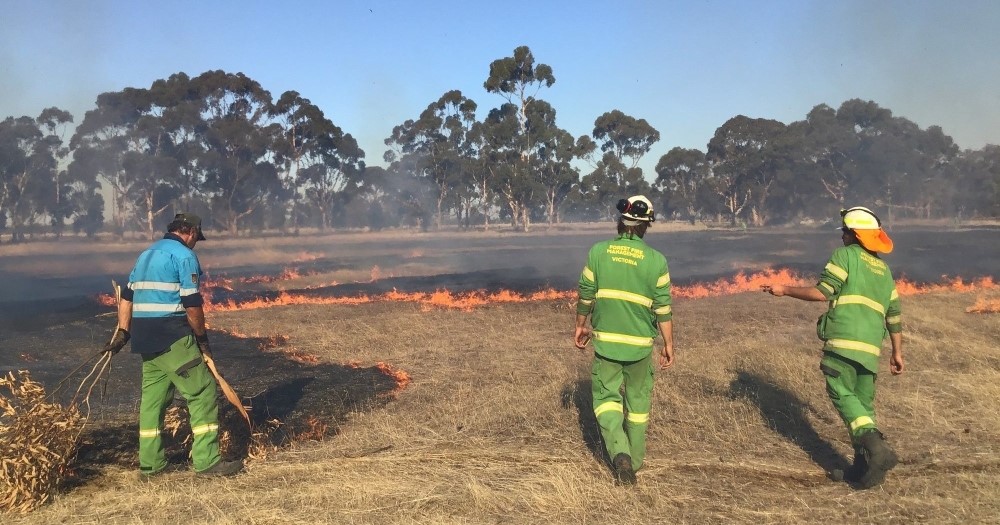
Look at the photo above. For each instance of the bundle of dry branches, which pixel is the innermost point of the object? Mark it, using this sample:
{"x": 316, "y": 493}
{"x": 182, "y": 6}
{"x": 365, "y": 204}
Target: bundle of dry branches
{"x": 38, "y": 439}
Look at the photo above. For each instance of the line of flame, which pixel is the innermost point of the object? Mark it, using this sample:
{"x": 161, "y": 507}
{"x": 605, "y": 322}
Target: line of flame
{"x": 466, "y": 301}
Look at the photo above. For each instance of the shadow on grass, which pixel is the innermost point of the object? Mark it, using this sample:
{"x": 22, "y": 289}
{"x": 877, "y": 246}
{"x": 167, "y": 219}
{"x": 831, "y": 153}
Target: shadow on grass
{"x": 578, "y": 395}
{"x": 784, "y": 413}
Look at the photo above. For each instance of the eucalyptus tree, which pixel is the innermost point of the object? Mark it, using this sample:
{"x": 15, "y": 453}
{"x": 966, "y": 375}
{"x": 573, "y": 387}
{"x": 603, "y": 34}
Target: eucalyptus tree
{"x": 553, "y": 151}
{"x": 313, "y": 153}
{"x": 54, "y": 123}
{"x": 27, "y": 172}
{"x": 828, "y": 148}
{"x": 437, "y": 143}
{"x": 489, "y": 160}
{"x": 238, "y": 163}
{"x": 624, "y": 140}
{"x": 518, "y": 80}
{"x": 682, "y": 177}
{"x": 979, "y": 187}
{"x": 336, "y": 174}
{"x": 99, "y": 145}
{"x": 508, "y": 165}
{"x": 182, "y": 123}
{"x": 741, "y": 152}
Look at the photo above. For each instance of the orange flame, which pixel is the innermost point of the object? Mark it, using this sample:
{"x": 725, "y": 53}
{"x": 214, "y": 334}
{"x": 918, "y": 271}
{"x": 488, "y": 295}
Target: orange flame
{"x": 464, "y": 301}
{"x": 905, "y": 287}
{"x": 467, "y": 301}
{"x": 402, "y": 378}
{"x": 984, "y": 306}
{"x": 739, "y": 283}
{"x": 106, "y": 299}
{"x": 304, "y": 256}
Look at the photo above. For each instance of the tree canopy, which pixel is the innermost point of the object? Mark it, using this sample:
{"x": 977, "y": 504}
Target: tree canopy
{"x": 218, "y": 144}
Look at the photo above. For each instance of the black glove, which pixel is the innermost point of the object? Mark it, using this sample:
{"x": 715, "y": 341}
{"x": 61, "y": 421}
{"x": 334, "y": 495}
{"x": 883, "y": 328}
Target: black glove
{"x": 202, "y": 341}
{"x": 118, "y": 340}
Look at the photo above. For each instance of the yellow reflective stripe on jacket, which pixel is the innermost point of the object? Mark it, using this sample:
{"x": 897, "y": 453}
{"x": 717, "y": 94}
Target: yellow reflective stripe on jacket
{"x": 204, "y": 429}
{"x": 624, "y": 296}
{"x": 586, "y": 301}
{"x": 839, "y": 272}
{"x": 638, "y": 419}
{"x": 861, "y": 421}
{"x": 894, "y": 319}
{"x": 894, "y": 295}
{"x": 862, "y": 300}
{"x": 663, "y": 310}
{"x": 633, "y": 340}
{"x": 854, "y": 345}
{"x": 588, "y": 274}
{"x": 149, "y": 433}
{"x": 663, "y": 280}
{"x": 608, "y": 406}
{"x": 827, "y": 287}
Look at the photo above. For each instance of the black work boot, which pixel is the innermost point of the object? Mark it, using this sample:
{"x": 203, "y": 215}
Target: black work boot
{"x": 223, "y": 468}
{"x": 880, "y": 459}
{"x": 624, "y": 474}
{"x": 858, "y": 468}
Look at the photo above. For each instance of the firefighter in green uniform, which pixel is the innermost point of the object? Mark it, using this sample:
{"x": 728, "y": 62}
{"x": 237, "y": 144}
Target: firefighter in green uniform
{"x": 626, "y": 286}
{"x": 864, "y": 307}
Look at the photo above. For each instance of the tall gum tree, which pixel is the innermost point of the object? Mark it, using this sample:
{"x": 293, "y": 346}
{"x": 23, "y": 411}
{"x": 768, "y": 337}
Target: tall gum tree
{"x": 238, "y": 163}
{"x": 518, "y": 80}
{"x": 437, "y": 143}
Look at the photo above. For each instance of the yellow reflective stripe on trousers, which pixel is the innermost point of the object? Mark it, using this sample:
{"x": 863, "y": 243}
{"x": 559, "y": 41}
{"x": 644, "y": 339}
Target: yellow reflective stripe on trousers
{"x": 839, "y": 272}
{"x": 204, "y": 429}
{"x": 608, "y": 406}
{"x": 854, "y": 345}
{"x": 862, "y": 300}
{"x": 662, "y": 310}
{"x": 633, "y": 340}
{"x": 663, "y": 280}
{"x": 861, "y": 421}
{"x": 149, "y": 433}
{"x": 588, "y": 274}
{"x": 624, "y": 296}
{"x": 638, "y": 419}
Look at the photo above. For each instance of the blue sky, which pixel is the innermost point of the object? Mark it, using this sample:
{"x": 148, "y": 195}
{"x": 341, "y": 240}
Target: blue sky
{"x": 685, "y": 67}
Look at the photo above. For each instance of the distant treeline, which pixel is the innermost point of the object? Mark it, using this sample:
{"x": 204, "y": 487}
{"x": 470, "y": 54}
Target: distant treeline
{"x": 220, "y": 145}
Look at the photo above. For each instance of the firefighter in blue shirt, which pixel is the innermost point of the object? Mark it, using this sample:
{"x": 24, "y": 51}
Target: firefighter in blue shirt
{"x": 161, "y": 313}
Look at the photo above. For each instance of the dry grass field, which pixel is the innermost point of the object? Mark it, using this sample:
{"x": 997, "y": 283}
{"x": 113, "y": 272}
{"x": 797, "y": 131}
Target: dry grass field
{"x": 495, "y": 423}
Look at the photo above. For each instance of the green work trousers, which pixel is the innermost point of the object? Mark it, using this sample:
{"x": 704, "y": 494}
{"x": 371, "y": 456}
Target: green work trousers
{"x": 181, "y": 367}
{"x": 851, "y": 387}
{"x": 623, "y": 422}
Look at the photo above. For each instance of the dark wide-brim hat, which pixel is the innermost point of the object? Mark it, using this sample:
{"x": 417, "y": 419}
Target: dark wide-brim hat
{"x": 191, "y": 220}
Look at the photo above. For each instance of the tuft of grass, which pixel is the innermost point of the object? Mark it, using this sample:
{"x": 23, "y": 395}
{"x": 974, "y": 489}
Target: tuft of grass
{"x": 38, "y": 440}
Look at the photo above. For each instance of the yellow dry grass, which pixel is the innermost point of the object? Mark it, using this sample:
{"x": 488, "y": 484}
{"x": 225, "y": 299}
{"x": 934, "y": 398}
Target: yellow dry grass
{"x": 38, "y": 439}
{"x": 496, "y": 426}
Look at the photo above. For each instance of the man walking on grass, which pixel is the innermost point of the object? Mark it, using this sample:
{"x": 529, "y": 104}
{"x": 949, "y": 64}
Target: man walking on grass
{"x": 162, "y": 308}
{"x": 626, "y": 287}
{"x": 864, "y": 307}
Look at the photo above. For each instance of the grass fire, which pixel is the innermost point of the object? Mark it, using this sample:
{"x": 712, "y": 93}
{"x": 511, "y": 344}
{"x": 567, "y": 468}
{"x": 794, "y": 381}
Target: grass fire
{"x": 445, "y": 388}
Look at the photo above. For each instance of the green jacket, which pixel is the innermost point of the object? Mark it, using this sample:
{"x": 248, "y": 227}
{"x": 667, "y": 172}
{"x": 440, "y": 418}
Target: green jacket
{"x": 864, "y": 305}
{"x": 626, "y": 285}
